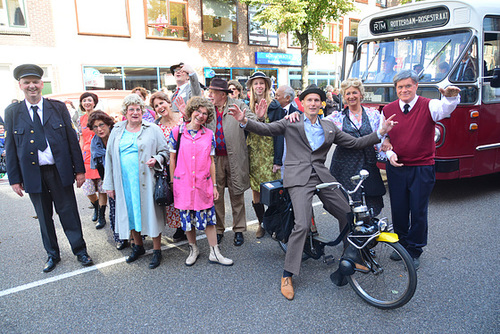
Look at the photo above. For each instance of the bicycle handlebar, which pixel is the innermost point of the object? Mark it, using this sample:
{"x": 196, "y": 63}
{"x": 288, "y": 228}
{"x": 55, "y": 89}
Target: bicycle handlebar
{"x": 363, "y": 175}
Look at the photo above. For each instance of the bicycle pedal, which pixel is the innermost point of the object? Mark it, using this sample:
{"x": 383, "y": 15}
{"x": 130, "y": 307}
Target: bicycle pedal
{"x": 328, "y": 259}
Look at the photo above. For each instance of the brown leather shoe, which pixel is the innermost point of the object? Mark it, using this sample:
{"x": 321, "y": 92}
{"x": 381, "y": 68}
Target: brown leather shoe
{"x": 287, "y": 287}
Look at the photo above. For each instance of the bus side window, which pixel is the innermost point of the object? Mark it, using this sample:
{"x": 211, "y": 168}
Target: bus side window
{"x": 491, "y": 60}
{"x": 467, "y": 69}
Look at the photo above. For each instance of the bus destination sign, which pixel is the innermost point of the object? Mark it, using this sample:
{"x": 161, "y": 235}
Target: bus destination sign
{"x": 423, "y": 19}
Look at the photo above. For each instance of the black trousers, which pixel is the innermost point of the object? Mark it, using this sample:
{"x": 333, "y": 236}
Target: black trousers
{"x": 410, "y": 188}
{"x": 64, "y": 200}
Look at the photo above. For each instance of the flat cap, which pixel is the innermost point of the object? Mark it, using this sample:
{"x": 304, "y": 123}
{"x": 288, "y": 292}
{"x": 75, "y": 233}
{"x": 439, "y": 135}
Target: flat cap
{"x": 27, "y": 70}
{"x": 173, "y": 67}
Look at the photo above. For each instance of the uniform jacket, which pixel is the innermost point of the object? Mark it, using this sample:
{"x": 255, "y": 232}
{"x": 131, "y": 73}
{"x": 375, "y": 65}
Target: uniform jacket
{"x": 151, "y": 143}
{"x": 300, "y": 158}
{"x": 237, "y": 151}
{"x": 22, "y": 161}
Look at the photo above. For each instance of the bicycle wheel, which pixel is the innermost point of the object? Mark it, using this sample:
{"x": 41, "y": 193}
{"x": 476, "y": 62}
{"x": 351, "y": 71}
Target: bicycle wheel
{"x": 390, "y": 284}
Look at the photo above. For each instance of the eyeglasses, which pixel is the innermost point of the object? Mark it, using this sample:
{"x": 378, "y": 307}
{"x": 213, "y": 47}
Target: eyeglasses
{"x": 178, "y": 70}
{"x": 100, "y": 126}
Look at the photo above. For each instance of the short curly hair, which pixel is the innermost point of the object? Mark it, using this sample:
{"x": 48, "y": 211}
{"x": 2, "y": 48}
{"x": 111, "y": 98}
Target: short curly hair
{"x": 348, "y": 83}
{"x": 99, "y": 115}
{"x": 87, "y": 94}
{"x": 158, "y": 95}
{"x": 142, "y": 92}
{"x": 132, "y": 99}
{"x": 195, "y": 103}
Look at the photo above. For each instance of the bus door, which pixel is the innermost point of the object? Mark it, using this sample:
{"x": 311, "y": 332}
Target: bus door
{"x": 488, "y": 145}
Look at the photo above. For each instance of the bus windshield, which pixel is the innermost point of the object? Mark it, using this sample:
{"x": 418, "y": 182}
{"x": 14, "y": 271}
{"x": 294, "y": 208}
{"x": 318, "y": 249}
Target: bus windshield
{"x": 431, "y": 55}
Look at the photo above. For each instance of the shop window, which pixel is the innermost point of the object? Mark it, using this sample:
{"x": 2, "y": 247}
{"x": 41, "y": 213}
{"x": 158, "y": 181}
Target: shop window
{"x": 235, "y": 73}
{"x": 219, "y": 19}
{"x": 334, "y": 33}
{"x": 13, "y": 16}
{"x": 126, "y": 78}
{"x": 258, "y": 35}
{"x": 166, "y": 19}
{"x": 93, "y": 17}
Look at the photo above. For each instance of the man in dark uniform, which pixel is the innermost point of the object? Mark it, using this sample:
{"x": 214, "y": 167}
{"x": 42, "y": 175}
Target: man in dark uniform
{"x": 44, "y": 159}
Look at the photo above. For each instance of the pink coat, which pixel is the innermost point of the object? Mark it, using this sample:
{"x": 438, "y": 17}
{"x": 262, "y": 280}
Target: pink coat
{"x": 193, "y": 186}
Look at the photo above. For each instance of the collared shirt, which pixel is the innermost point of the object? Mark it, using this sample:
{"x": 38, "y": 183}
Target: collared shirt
{"x": 314, "y": 133}
{"x": 45, "y": 157}
{"x": 439, "y": 108}
{"x": 287, "y": 109}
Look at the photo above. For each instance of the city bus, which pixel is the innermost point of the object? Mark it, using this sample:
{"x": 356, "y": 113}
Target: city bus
{"x": 446, "y": 43}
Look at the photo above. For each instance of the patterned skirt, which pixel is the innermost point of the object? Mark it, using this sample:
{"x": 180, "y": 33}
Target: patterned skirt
{"x": 199, "y": 219}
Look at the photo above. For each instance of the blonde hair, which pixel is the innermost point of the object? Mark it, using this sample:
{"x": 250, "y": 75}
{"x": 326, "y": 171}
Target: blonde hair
{"x": 253, "y": 96}
{"x": 356, "y": 83}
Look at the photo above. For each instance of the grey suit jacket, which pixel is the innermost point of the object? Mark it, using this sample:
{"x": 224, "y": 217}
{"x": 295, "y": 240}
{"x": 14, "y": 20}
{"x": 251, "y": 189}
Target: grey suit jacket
{"x": 300, "y": 158}
{"x": 191, "y": 89}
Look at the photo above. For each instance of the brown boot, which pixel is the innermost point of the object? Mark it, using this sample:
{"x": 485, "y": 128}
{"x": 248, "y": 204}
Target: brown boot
{"x": 259, "y": 212}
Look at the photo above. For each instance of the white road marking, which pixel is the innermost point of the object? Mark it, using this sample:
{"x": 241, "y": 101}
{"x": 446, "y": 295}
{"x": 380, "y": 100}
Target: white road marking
{"x": 100, "y": 265}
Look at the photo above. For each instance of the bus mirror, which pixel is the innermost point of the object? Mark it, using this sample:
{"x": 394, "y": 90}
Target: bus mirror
{"x": 495, "y": 81}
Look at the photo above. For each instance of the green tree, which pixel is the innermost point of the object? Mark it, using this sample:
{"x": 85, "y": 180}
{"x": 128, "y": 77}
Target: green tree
{"x": 305, "y": 18}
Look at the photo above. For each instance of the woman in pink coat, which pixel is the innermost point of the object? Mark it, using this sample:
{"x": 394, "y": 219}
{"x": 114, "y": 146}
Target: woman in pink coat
{"x": 192, "y": 165}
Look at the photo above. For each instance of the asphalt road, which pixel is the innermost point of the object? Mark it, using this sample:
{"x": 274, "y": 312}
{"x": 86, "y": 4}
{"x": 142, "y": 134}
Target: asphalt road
{"x": 457, "y": 288}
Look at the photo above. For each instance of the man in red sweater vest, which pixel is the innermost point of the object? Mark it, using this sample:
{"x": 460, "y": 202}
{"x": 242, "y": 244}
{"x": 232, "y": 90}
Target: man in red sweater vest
{"x": 410, "y": 167}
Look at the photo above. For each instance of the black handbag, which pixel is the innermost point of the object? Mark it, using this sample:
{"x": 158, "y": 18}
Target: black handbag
{"x": 163, "y": 194}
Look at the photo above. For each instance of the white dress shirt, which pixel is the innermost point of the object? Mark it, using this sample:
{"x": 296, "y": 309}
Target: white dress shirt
{"x": 45, "y": 157}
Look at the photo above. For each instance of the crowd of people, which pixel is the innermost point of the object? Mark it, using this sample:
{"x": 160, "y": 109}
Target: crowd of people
{"x": 220, "y": 141}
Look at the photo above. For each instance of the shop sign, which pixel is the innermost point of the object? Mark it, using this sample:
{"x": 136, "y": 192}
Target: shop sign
{"x": 283, "y": 59}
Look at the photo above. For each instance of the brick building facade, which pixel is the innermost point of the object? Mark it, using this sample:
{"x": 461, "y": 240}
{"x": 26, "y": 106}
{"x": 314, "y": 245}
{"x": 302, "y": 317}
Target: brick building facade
{"x": 118, "y": 44}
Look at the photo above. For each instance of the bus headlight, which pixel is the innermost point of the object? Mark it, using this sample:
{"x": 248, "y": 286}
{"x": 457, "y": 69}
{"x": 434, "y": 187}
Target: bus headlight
{"x": 439, "y": 134}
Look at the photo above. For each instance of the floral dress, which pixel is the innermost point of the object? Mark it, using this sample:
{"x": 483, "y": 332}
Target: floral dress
{"x": 172, "y": 217}
{"x": 261, "y": 156}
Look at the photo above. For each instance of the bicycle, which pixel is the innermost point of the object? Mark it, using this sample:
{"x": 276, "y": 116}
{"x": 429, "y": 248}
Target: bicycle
{"x": 387, "y": 284}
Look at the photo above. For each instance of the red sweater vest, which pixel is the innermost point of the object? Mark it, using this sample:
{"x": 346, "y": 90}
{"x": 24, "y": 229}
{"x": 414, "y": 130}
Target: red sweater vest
{"x": 413, "y": 136}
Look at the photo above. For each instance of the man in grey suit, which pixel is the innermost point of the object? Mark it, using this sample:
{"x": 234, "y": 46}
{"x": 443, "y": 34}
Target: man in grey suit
{"x": 187, "y": 83}
{"x": 308, "y": 142}
{"x": 44, "y": 159}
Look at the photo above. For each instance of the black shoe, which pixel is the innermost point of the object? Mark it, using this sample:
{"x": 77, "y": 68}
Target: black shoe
{"x": 219, "y": 238}
{"x": 101, "y": 219}
{"x": 95, "y": 205}
{"x": 395, "y": 256}
{"x": 122, "y": 244}
{"x": 136, "y": 252}
{"x": 416, "y": 263}
{"x": 179, "y": 235}
{"x": 238, "y": 239}
{"x": 50, "y": 264}
{"x": 85, "y": 260}
{"x": 155, "y": 262}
